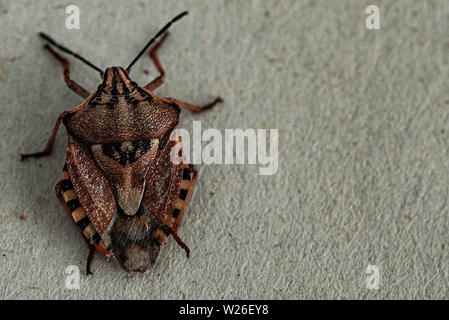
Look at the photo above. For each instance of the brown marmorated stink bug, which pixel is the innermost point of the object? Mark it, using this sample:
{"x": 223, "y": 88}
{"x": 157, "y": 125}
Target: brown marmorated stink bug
{"x": 119, "y": 185}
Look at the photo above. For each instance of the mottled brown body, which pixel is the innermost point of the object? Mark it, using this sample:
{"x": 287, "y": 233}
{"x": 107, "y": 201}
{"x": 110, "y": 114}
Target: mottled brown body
{"x": 119, "y": 185}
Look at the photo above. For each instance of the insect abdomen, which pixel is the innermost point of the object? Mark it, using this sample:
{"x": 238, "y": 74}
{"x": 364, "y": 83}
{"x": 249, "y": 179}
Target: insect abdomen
{"x": 78, "y": 214}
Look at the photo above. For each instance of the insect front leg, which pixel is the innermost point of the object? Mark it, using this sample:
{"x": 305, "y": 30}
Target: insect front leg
{"x": 160, "y": 80}
{"x": 66, "y": 66}
{"x": 50, "y": 142}
{"x": 154, "y": 57}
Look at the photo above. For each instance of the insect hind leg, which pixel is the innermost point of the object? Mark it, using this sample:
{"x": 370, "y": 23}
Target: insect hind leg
{"x": 90, "y": 257}
{"x": 181, "y": 243}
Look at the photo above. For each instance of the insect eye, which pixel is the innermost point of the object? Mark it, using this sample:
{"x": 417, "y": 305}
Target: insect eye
{"x": 127, "y": 152}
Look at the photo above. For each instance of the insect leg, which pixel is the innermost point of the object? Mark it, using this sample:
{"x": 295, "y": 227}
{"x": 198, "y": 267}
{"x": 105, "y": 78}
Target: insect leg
{"x": 181, "y": 243}
{"x": 89, "y": 258}
{"x": 153, "y": 55}
{"x": 194, "y": 109}
{"x": 50, "y": 142}
{"x": 66, "y": 65}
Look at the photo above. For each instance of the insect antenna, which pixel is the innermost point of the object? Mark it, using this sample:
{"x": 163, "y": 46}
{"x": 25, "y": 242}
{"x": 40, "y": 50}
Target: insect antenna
{"x": 179, "y": 16}
{"x": 62, "y": 48}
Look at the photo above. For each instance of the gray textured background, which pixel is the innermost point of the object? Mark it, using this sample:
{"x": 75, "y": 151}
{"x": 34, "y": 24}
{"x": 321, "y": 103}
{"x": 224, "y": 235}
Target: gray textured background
{"x": 363, "y": 129}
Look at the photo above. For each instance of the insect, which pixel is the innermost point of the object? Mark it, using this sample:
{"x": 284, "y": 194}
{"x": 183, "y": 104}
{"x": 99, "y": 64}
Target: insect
{"x": 119, "y": 185}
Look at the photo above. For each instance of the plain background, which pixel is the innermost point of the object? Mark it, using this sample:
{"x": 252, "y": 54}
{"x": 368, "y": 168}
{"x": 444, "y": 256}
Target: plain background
{"x": 363, "y": 153}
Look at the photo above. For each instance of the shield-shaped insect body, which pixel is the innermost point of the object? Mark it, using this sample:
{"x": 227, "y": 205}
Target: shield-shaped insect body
{"x": 119, "y": 185}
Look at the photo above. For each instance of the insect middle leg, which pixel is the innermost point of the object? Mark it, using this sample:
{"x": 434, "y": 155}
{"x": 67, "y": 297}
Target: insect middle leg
{"x": 50, "y": 142}
{"x": 66, "y": 66}
{"x": 194, "y": 109}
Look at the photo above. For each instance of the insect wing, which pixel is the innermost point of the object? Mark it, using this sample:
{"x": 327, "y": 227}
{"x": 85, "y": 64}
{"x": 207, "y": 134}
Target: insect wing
{"x": 92, "y": 187}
